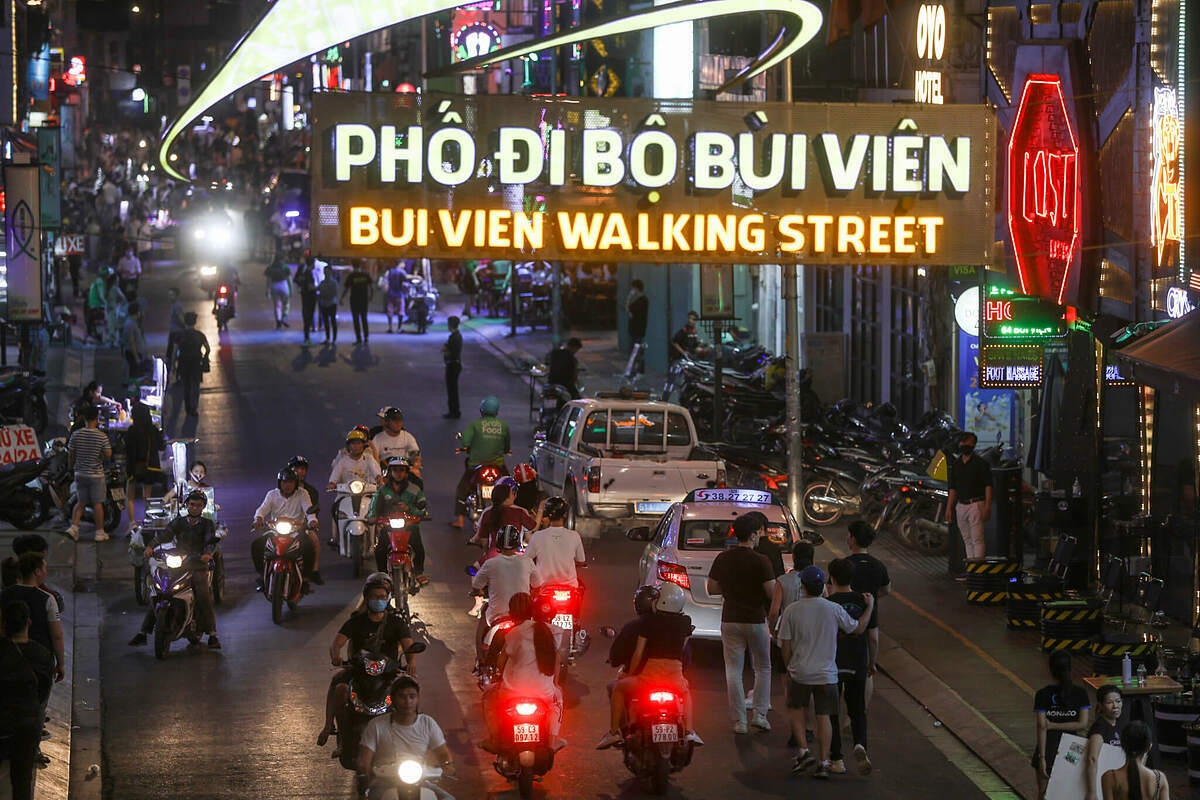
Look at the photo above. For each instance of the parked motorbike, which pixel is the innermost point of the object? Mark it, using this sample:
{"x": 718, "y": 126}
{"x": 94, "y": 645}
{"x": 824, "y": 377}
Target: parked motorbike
{"x": 223, "y": 306}
{"x": 283, "y": 578}
{"x": 173, "y": 597}
{"x": 421, "y": 298}
{"x": 915, "y": 511}
{"x": 114, "y": 502}
{"x": 23, "y": 397}
{"x": 21, "y": 504}
{"x": 654, "y": 737}
{"x": 368, "y": 696}
{"x": 355, "y": 533}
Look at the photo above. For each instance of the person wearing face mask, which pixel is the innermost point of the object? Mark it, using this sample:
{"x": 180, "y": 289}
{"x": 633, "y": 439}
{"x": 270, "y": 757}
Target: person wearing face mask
{"x": 970, "y": 496}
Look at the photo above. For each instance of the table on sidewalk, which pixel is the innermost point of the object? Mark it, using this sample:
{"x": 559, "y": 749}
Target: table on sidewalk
{"x": 1143, "y": 694}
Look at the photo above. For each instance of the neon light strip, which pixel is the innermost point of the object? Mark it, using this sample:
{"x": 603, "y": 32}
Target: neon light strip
{"x": 1181, "y": 90}
{"x": 289, "y": 30}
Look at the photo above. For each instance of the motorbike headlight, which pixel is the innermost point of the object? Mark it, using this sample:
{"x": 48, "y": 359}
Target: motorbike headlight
{"x": 396, "y": 523}
{"x": 410, "y": 772}
{"x": 208, "y": 270}
{"x": 283, "y": 526}
{"x": 199, "y": 233}
{"x": 174, "y": 561}
{"x": 356, "y": 487}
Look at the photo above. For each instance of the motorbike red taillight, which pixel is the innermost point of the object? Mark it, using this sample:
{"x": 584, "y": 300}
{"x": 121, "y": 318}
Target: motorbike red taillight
{"x": 525, "y": 709}
{"x": 489, "y": 474}
{"x": 562, "y": 595}
{"x": 223, "y": 290}
{"x": 662, "y": 697}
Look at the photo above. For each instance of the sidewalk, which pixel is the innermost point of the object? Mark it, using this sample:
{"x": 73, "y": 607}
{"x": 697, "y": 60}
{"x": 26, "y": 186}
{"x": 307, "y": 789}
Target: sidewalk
{"x": 960, "y": 662}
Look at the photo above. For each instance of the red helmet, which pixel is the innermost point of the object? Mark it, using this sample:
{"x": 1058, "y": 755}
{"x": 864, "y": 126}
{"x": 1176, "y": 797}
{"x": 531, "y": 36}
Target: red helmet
{"x": 524, "y": 473}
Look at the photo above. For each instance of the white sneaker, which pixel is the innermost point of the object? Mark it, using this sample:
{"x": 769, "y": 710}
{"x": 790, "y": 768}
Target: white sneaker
{"x": 101, "y": 536}
{"x": 73, "y": 532}
{"x": 864, "y": 763}
{"x": 740, "y": 728}
{"x": 837, "y": 767}
{"x": 760, "y": 722}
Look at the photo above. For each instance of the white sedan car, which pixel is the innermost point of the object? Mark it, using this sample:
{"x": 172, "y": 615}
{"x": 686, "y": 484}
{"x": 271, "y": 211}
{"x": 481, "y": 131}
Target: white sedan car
{"x": 682, "y": 546}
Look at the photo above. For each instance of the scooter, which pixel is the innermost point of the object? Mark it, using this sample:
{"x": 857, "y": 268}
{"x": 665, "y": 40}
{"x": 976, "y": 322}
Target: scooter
{"x": 173, "y": 597}
{"x": 223, "y": 306}
{"x": 408, "y": 780}
{"x": 21, "y": 504}
{"x": 482, "y": 482}
{"x": 355, "y": 533}
{"x": 114, "y": 502}
{"x": 655, "y": 742}
{"x": 283, "y": 578}
{"x": 23, "y": 397}
{"x": 558, "y": 605}
{"x": 525, "y": 745}
{"x": 368, "y": 696}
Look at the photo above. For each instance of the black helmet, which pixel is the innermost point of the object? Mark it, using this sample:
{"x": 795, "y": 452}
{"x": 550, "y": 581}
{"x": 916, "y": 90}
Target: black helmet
{"x": 287, "y": 474}
{"x": 509, "y": 538}
{"x": 644, "y": 599}
{"x": 298, "y": 461}
{"x": 555, "y": 508}
{"x": 196, "y": 494}
{"x": 391, "y": 412}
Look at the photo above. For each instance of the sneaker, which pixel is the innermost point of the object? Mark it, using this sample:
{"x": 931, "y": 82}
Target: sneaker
{"x": 332, "y": 543}
{"x": 73, "y": 532}
{"x": 137, "y": 640}
{"x": 316, "y": 578}
{"x": 608, "y": 740}
{"x": 760, "y": 723}
{"x": 694, "y": 738}
{"x": 837, "y": 766}
{"x": 423, "y": 580}
{"x": 213, "y": 642}
{"x": 803, "y": 762}
{"x": 864, "y": 763}
{"x": 740, "y": 728}
{"x": 259, "y": 585}
{"x": 101, "y": 536}
{"x": 822, "y": 771}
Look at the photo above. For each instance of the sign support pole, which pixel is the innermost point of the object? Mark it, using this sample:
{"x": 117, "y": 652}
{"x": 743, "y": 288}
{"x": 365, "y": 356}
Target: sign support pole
{"x": 792, "y": 333}
{"x": 718, "y": 412}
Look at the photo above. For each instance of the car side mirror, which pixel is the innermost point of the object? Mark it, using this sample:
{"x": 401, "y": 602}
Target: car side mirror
{"x": 639, "y": 534}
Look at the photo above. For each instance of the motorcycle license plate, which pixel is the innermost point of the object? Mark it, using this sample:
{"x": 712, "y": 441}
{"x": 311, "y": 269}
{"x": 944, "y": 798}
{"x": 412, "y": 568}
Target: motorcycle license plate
{"x": 526, "y": 732}
{"x": 564, "y": 621}
{"x": 485, "y": 492}
{"x": 117, "y": 494}
{"x": 664, "y": 733}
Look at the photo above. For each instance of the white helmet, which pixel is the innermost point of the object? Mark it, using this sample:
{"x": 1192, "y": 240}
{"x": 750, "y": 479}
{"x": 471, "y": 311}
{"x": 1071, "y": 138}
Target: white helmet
{"x": 670, "y": 599}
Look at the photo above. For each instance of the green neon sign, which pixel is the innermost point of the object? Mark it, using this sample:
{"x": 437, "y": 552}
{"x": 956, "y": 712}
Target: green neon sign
{"x": 1009, "y": 315}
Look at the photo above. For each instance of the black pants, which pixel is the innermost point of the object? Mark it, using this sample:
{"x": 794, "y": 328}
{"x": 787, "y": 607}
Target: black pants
{"x": 383, "y": 546}
{"x": 22, "y": 762}
{"x": 191, "y": 390}
{"x": 855, "y": 692}
{"x": 453, "y": 370}
{"x": 308, "y": 308}
{"x": 359, "y": 315}
{"x": 258, "y": 549}
{"x": 329, "y": 321}
{"x": 172, "y": 347}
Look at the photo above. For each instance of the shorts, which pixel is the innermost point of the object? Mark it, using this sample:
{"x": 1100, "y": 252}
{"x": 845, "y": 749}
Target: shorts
{"x": 151, "y": 477}
{"x": 393, "y": 303}
{"x": 824, "y": 696}
{"x": 92, "y": 490}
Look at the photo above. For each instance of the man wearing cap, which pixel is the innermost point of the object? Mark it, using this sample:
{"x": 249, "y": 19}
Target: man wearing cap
{"x": 808, "y": 634}
{"x": 394, "y": 440}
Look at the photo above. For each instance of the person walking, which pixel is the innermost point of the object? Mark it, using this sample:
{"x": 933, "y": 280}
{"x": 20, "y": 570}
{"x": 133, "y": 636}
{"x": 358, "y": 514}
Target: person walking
{"x": 193, "y": 363}
{"x": 279, "y": 290}
{"x": 87, "y": 451}
{"x": 637, "y": 310}
{"x": 1135, "y": 780}
{"x": 393, "y": 283}
{"x": 1061, "y": 707}
{"x": 452, "y": 356}
{"x": 25, "y": 681}
{"x": 327, "y": 300}
{"x": 143, "y": 443}
{"x": 130, "y": 270}
{"x": 306, "y": 282}
{"x": 133, "y": 341}
{"x": 175, "y": 328}
{"x": 970, "y": 498}
{"x": 361, "y": 288}
{"x": 468, "y": 284}
{"x": 853, "y": 658}
{"x": 870, "y": 577}
{"x": 746, "y": 582}
{"x": 116, "y": 305}
{"x": 1104, "y": 730}
{"x": 808, "y": 634}
{"x": 563, "y": 366}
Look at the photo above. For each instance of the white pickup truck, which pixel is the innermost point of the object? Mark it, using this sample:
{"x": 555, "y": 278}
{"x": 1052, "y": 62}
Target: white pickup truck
{"x": 615, "y": 457}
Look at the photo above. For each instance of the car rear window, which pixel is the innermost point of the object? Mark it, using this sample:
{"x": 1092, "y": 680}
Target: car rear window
{"x": 717, "y": 534}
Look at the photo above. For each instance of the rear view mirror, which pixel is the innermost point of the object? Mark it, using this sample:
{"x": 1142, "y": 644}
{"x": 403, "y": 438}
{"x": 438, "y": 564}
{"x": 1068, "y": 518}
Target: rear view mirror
{"x": 638, "y": 534}
{"x": 539, "y": 437}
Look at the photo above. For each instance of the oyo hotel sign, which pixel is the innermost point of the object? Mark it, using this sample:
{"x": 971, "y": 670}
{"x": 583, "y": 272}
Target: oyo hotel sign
{"x": 451, "y": 176}
{"x": 1043, "y": 189}
{"x": 931, "y": 52}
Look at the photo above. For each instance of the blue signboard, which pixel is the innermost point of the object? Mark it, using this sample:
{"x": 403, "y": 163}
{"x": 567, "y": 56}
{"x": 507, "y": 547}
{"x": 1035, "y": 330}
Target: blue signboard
{"x": 988, "y": 413}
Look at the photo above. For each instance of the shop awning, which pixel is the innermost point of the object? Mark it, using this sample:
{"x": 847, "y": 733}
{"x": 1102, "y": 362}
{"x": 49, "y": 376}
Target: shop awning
{"x": 1168, "y": 358}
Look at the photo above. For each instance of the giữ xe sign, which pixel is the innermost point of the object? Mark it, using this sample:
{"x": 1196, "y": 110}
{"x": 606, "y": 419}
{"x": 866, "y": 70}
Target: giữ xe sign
{"x": 584, "y": 179}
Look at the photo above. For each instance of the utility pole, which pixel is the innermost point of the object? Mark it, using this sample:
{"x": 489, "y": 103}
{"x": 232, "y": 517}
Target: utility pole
{"x": 793, "y": 361}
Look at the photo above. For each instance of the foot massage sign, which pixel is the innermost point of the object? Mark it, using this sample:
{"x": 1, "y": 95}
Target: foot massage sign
{"x": 444, "y": 176}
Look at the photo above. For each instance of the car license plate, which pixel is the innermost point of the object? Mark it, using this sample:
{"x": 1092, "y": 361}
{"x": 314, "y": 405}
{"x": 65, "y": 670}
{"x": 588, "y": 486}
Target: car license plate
{"x": 485, "y": 492}
{"x": 117, "y": 494}
{"x": 564, "y": 621}
{"x": 651, "y": 508}
{"x": 664, "y": 733}
{"x": 526, "y": 732}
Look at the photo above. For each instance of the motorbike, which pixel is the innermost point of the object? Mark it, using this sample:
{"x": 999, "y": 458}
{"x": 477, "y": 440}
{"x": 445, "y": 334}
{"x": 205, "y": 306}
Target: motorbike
{"x": 23, "y": 397}
{"x": 654, "y": 739}
{"x": 554, "y": 397}
{"x": 21, "y": 504}
{"x": 482, "y": 481}
{"x": 355, "y": 533}
{"x": 915, "y": 511}
{"x": 282, "y": 575}
{"x": 400, "y": 564}
{"x": 421, "y": 298}
{"x": 832, "y": 488}
{"x": 524, "y": 745}
{"x": 408, "y": 780}
{"x": 368, "y": 696}
{"x": 173, "y": 597}
{"x": 114, "y": 499}
{"x": 559, "y": 606}
{"x": 223, "y": 306}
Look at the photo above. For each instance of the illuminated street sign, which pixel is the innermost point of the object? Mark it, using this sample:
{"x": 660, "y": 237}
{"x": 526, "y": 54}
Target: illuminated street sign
{"x": 1010, "y": 366}
{"x": 640, "y": 179}
{"x": 1012, "y": 316}
{"x": 931, "y": 50}
{"x": 1165, "y": 199}
{"x": 1043, "y": 189}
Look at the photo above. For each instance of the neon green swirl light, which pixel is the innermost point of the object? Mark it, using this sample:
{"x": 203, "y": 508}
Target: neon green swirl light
{"x": 292, "y": 29}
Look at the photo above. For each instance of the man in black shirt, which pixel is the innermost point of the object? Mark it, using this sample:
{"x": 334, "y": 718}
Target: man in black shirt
{"x": 870, "y": 577}
{"x": 452, "y": 355}
{"x": 853, "y": 662}
{"x": 970, "y": 495}
{"x": 564, "y": 367}
{"x": 686, "y": 341}
{"x": 360, "y": 287}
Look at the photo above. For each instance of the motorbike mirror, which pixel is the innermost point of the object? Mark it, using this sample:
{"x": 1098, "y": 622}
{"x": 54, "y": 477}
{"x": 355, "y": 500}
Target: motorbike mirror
{"x": 639, "y": 534}
{"x": 539, "y": 437}
{"x": 415, "y": 648}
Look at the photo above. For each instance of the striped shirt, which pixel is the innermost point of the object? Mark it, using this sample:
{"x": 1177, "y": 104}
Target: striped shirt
{"x": 88, "y": 448}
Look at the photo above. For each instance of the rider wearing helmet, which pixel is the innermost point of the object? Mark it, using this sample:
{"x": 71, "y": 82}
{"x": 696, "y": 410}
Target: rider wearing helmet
{"x": 287, "y": 501}
{"x": 557, "y": 550}
{"x": 529, "y": 495}
{"x": 371, "y": 627}
{"x": 399, "y": 495}
{"x": 503, "y": 576}
{"x": 354, "y": 463}
{"x": 503, "y": 511}
{"x": 393, "y": 439}
{"x": 658, "y": 655}
{"x": 486, "y": 441}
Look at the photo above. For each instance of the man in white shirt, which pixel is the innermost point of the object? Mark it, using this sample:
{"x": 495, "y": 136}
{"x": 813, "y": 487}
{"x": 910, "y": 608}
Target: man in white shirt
{"x": 403, "y": 734}
{"x": 808, "y": 632}
{"x": 130, "y": 270}
{"x": 354, "y": 464}
{"x": 288, "y": 500}
{"x": 503, "y": 575}
{"x": 557, "y": 550}
{"x": 394, "y": 440}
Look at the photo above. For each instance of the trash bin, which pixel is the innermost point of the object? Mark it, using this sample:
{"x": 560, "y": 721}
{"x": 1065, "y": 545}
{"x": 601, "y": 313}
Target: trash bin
{"x": 1002, "y": 533}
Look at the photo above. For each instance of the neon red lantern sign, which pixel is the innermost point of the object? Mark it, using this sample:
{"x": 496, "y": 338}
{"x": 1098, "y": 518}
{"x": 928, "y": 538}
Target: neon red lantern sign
{"x": 1043, "y": 189}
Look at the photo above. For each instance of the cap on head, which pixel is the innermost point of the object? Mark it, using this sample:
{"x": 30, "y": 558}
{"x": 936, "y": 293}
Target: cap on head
{"x": 812, "y": 575}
